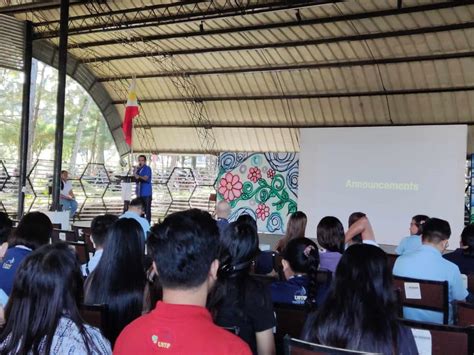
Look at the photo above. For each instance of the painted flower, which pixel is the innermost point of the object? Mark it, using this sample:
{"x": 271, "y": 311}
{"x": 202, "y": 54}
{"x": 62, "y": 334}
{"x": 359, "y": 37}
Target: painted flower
{"x": 270, "y": 173}
{"x": 254, "y": 174}
{"x": 263, "y": 211}
{"x": 230, "y": 187}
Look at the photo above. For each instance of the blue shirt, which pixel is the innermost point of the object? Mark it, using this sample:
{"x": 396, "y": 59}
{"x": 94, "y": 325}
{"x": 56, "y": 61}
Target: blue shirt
{"x": 144, "y": 187}
{"x": 292, "y": 291}
{"x": 12, "y": 259}
{"x": 408, "y": 244}
{"x": 427, "y": 263}
{"x": 143, "y": 222}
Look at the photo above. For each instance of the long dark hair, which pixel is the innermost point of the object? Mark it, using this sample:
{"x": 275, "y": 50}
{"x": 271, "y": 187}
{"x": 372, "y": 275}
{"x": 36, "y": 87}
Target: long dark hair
{"x": 119, "y": 278}
{"x": 296, "y": 228}
{"x": 47, "y": 286}
{"x": 467, "y": 239}
{"x": 330, "y": 234}
{"x": 360, "y": 310}
{"x": 238, "y": 249}
{"x": 33, "y": 231}
{"x": 303, "y": 257}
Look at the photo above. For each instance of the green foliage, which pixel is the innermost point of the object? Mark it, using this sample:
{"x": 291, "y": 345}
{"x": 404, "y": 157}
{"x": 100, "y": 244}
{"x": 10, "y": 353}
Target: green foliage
{"x": 11, "y": 86}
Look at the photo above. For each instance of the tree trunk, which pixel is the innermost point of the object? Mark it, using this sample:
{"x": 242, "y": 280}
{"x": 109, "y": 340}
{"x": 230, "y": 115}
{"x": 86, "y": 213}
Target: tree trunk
{"x": 79, "y": 130}
{"x": 35, "y": 100}
{"x": 100, "y": 158}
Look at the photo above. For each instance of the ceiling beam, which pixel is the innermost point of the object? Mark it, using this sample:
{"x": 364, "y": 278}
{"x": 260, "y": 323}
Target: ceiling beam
{"x": 309, "y": 42}
{"x": 268, "y": 26}
{"x": 272, "y": 68}
{"x": 36, "y": 6}
{"x": 295, "y": 125}
{"x": 159, "y": 15}
{"x": 305, "y": 96}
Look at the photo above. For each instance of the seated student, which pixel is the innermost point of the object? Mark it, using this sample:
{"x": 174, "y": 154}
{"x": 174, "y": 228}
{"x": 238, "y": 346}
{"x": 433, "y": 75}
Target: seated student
{"x": 33, "y": 231}
{"x": 42, "y": 316}
{"x": 185, "y": 254}
{"x": 136, "y": 208}
{"x": 354, "y": 217}
{"x": 238, "y": 300}
{"x": 300, "y": 266}
{"x": 99, "y": 230}
{"x": 119, "y": 278}
{"x": 295, "y": 228}
{"x": 413, "y": 241}
{"x": 360, "y": 311}
{"x": 463, "y": 257}
{"x": 6, "y": 225}
{"x": 363, "y": 228}
{"x": 330, "y": 236}
{"x": 427, "y": 263}
{"x": 222, "y": 215}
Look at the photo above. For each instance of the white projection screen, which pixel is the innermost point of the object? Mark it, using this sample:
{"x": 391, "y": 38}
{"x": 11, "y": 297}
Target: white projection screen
{"x": 389, "y": 173}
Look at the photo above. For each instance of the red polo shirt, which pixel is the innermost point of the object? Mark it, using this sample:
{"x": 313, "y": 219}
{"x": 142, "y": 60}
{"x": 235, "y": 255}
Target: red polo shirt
{"x": 178, "y": 329}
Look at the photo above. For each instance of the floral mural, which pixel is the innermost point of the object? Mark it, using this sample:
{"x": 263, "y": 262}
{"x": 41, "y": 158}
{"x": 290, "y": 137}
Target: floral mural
{"x": 264, "y": 186}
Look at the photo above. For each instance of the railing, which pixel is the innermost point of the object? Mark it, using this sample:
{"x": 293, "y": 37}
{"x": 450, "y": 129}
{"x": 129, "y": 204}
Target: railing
{"x": 97, "y": 189}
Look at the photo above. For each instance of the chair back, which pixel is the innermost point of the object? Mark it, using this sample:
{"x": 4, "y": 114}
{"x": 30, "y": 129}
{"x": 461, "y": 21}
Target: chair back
{"x": 442, "y": 339}
{"x": 299, "y": 347}
{"x": 95, "y": 315}
{"x": 81, "y": 232}
{"x": 278, "y": 266}
{"x": 391, "y": 258}
{"x": 464, "y": 314}
{"x": 290, "y": 320}
{"x": 64, "y": 235}
{"x": 424, "y": 294}
{"x": 81, "y": 251}
{"x": 324, "y": 277}
{"x": 470, "y": 283}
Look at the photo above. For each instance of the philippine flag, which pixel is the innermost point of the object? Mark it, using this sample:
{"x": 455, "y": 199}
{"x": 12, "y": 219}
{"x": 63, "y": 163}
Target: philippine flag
{"x": 131, "y": 111}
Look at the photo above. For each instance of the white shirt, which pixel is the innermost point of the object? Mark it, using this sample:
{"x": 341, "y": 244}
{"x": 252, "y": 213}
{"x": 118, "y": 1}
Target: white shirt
{"x": 91, "y": 265}
{"x": 67, "y": 188}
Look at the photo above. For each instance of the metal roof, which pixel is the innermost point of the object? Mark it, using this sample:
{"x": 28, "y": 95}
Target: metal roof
{"x": 244, "y": 76}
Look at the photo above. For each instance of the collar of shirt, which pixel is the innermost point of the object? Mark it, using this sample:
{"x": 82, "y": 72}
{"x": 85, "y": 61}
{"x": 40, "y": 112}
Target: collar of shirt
{"x": 430, "y": 249}
{"x": 172, "y": 311}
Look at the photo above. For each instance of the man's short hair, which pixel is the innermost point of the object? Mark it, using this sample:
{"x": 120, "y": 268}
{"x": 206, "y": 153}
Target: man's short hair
{"x": 6, "y": 225}
{"x": 142, "y": 156}
{"x": 435, "y": 230}
{"x": 138, "y": 202}
{"x": 183, "y": 247}
{"x": 100, "y": 227}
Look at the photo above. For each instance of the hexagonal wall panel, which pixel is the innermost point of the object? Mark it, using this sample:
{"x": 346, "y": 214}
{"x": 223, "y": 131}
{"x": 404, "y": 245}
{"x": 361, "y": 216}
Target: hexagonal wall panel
{"x": 181, "y": 184}
{"x": 161, "y": 202}
{"x": 4, "y": 176}
{"x": 94, "y": 180}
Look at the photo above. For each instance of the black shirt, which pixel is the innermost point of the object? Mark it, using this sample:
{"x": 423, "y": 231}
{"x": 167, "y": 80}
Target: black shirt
{"x": 464, "y": 262}
{"x": 249, "y": 308}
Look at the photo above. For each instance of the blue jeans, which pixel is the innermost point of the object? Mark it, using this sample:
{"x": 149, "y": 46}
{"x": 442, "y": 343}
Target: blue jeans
{"x": 70, "y": 205}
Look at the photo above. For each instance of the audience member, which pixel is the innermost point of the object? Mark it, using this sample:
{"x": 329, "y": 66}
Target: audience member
{"x": 354, "y": 217}
{"x": 67, "y": 198}
{"x": 330, "y": 236}
{"x": 42, "y": 315}
{"x": 295, "y": 228}
{"x": 427, "y": 263}
{"x": 363, "y": 228}
{"x": 33, "y": 231}
{"x": 185, "y": 254}
{"x": 238, "y": 300}
{"x": 119, "y": 278}
{"x": 360, "y": 311}
{"x": 413, "y": 241}
{"x": 300, "y": 267}
{"x": 222, "y": 215}
{"x": 6, "y": 225}
{"x": 463, "y": 257}
{"x": 135, "y": 211}
{"x": 99, "y": 231}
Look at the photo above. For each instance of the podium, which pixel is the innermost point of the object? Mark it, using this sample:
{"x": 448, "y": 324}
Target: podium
{"x": 127, "y": 184}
